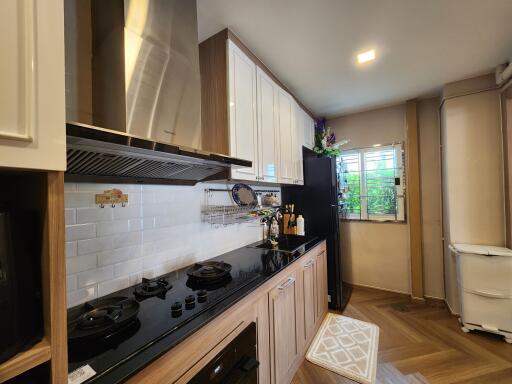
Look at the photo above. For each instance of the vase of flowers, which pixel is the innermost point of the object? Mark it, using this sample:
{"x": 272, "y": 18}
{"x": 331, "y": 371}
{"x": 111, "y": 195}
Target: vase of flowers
{"x": 325, "y": 141}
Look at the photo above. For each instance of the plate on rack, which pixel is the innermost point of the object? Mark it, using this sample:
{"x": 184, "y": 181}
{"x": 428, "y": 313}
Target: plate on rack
{"x": 244, "y": 196}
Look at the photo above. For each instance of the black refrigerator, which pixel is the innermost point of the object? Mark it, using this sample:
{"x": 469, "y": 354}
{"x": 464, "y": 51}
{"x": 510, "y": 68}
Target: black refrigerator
{"x": 317, "y": 201}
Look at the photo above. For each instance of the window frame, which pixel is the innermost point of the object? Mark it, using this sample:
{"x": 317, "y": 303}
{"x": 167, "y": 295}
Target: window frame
{"x": 399, "y": 216}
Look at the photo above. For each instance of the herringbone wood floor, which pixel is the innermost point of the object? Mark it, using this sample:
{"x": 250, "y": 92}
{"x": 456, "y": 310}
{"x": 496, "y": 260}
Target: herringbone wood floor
{"x": 420, "y": 343}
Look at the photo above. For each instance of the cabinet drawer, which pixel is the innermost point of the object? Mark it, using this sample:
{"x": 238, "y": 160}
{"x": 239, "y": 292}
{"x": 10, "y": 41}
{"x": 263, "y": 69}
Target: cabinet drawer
{"x": 491, "y": 313}
{"x": 488, "y": 273}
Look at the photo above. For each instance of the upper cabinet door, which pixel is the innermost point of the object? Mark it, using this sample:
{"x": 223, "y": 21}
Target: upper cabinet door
{"x": 286, "y": 111}
{"x": 243, "y": 131}
{"x": 309, "y": 131}
{"x": 32, "y": 106}
{"x": 298, "y": 142}
{"x": 268, "y": 133}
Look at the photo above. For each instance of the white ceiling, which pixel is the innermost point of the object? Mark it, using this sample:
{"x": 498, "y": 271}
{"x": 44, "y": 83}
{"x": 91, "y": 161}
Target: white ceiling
{"x": 421, "y": 44}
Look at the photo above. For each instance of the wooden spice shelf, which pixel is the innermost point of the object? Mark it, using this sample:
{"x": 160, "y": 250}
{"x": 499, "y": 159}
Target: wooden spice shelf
{"x": 23, "y": 361}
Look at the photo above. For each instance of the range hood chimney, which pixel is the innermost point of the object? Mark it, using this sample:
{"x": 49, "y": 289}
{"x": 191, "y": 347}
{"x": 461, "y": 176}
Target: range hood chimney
{"x": 133, "y": 93}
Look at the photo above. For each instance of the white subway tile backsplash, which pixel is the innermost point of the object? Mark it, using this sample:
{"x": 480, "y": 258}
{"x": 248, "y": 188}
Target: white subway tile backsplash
{"x": 101, "y": 187}
{"x": 110, "y": 286}
{"x": 135, "y": 225}
{"x": 69, "y": 187}
{"x": 80, "y": 231}
{"x": 118, "y": 255}
{"x": 82, "y": 295}
{"x": 93, "y": 215}
{"x": 135, "y": 278}
{"x": 71, "y": 248}
{"x": 127, "y": 212}
{"x": 81, "y": 263}
{"x": 70, "y": 216}
{"x": 71, "y": 283}
{"x": 78, "y": 199}
{"x": 127, "y": 267}
{"x": 95, "y": 276}
{"x": 106, "y": 243}
{"x": 112, "y": 227}
{"x": 158, "y": 231}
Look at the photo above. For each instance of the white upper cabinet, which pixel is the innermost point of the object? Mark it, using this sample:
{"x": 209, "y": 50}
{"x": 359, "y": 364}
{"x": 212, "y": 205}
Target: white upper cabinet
{"x": 268, "y": 133}
{"x": 309, "y": 131}
{"x": 243, "y": 129}
{"x": 32, "y": 93}
{"x": 286, "y": 111}
{"x": 297, "y": 143}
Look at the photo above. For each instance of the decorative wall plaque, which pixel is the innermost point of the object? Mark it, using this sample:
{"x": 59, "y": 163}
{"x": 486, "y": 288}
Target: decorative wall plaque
{"x": 112, "y": 197}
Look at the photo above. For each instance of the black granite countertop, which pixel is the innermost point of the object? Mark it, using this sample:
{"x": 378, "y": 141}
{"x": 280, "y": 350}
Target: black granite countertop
{"x": 261, "y": 263}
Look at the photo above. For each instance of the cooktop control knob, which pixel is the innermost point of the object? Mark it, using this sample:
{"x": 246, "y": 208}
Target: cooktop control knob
{"x": 176, "y": 309}
{"x": 190, "y": 301}
{"x": 201, "y": 296}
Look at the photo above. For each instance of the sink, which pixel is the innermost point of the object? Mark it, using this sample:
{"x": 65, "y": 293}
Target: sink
{"x": 285, "y": 243}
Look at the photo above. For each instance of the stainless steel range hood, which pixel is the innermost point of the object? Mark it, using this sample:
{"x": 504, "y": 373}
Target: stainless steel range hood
{"x": 133, "y": 93}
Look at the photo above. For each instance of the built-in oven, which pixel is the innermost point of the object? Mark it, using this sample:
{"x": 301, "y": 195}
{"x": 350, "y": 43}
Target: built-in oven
{"x": 236, "y": 364}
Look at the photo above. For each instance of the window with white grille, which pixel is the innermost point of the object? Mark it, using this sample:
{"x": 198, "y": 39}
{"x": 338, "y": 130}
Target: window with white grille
{"x": 372, "y": 183}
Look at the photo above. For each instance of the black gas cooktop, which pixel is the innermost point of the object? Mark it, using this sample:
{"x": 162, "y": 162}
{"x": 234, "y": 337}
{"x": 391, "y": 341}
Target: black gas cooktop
{"x": 121, "y": 333}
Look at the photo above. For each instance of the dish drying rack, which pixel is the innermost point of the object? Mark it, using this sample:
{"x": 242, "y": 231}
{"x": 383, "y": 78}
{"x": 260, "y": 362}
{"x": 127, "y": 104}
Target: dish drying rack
{"x": 227, "y": 214}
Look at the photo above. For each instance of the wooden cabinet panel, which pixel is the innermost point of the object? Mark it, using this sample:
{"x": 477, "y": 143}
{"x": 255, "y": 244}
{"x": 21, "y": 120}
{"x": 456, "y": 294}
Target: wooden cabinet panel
{"x": 321, "y": 273}
{"x": 32, "y": 107}
{"x": 268, "y": 138}
{"x": 309, "y": 296}
{"x": 243, "y": 134}
{"x": 283, "y": 322}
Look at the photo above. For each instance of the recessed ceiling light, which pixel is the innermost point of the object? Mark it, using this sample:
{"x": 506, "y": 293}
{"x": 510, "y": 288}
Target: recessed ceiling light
{"x": 363, "y": 57}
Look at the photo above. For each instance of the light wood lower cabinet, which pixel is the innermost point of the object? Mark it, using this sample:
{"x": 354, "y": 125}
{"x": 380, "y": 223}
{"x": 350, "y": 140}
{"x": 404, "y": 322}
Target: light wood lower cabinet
{"x": 288, "y": 310}
{"x": 321, "y": 278}
{"x": 285, "y": 333}
{"x": 310, "y": 294}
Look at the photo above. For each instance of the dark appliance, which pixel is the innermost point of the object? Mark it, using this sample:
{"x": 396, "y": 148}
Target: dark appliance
{"x": 152, "y": 287}
{"x": 120, "y": 333}
{"x": 21, "y": 319}
{"x": 209, "y": 272}
{"x": 235, "y": 364}
{"x": 105, "y": 317}
{"x": 317, "y": 201}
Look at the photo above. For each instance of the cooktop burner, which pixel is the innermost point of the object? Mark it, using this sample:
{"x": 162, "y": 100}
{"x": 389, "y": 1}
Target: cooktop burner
{"x": 100, "y": 319}
{"x": 209, "y": 272}
{"x": 152, "y": 287}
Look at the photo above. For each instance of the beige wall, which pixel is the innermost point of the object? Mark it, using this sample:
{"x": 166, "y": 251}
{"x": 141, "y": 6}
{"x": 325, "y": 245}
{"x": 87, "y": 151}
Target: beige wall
{"x": 430, "y": 169}
{"x": 379, "y": 126}
{"x": 473, "y": 197}
{"x": 377, "y": 254}
{"x": 374, "y": 254}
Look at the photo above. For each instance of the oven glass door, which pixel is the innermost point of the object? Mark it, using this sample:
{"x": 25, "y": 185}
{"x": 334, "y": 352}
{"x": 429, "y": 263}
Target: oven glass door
{"x": 235, "y": 364}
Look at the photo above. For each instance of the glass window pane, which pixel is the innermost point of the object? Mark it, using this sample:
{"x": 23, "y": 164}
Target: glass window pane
{"x": 350, "y": 183}
{"x": 380, "y": 182}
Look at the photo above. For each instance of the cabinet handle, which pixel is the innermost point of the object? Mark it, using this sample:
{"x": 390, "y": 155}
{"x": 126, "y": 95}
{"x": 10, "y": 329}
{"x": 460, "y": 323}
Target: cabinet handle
{"x": 290, "y": 280}
{"x": 309, "y": 264}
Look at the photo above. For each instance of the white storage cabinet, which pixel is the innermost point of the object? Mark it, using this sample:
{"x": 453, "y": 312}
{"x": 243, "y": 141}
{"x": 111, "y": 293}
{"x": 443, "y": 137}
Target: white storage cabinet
{"x": 484, "y": 276}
